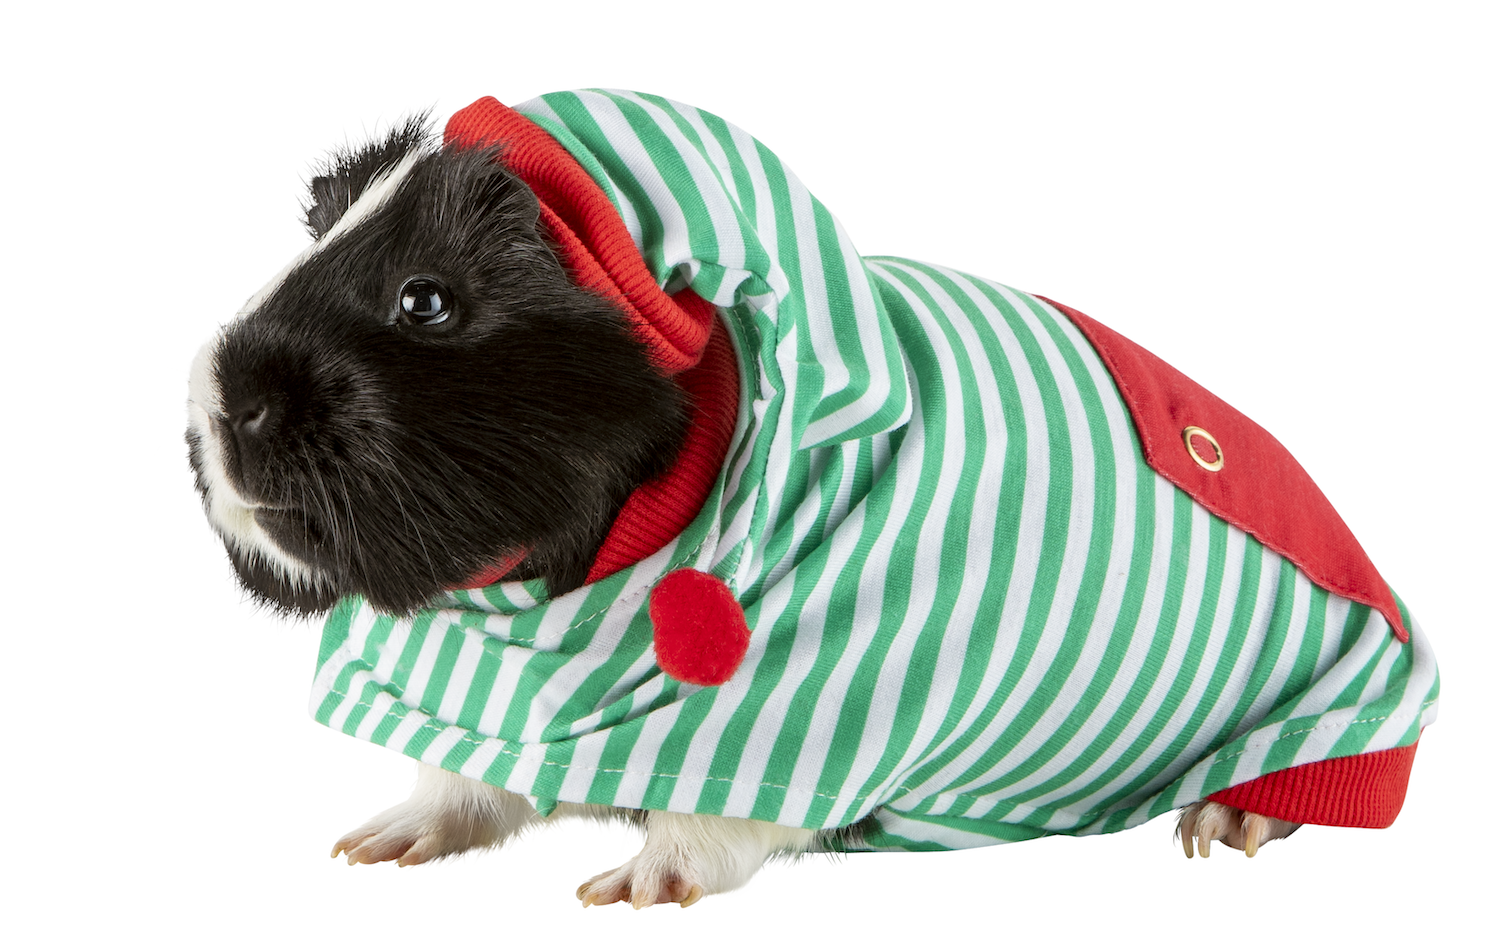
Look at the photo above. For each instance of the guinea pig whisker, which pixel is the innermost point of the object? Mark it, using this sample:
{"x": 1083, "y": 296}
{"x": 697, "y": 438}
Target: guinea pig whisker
{"x": 327, "y": 511}
{"x": 349, "y": 511}
{"x": 400, "y": 504}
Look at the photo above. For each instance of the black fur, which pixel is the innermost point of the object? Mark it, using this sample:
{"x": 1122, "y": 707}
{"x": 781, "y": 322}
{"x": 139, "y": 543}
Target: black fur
{"x": 402, "y": 458}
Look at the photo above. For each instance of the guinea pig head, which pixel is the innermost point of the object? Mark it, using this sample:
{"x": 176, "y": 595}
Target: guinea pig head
{"x": 422, "y": 394}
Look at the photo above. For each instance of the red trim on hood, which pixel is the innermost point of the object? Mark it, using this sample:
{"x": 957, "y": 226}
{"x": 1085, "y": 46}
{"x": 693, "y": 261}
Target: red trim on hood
{"x": 1260, "y": 488}
{"x": 679, "y": 330}
{"x": 595, "y": 244}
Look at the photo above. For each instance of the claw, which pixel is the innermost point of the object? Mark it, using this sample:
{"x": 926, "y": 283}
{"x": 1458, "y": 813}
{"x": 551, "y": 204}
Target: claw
{"x": 1256, "y": 827}
{"x": 693, "y": 895}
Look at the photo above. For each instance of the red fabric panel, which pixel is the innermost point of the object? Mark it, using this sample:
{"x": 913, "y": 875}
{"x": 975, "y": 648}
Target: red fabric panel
{"x": 1361, "y": 790}
{"x": 1260, "y": 488}
{"x": 595, "y": 243}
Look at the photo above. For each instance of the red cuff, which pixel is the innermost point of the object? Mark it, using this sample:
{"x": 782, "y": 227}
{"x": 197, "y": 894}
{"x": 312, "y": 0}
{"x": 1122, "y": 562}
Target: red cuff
{"x": 1361, "y": 790}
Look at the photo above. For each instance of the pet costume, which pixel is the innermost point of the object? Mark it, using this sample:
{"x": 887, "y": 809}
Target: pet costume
{"x": 977, "y": 612}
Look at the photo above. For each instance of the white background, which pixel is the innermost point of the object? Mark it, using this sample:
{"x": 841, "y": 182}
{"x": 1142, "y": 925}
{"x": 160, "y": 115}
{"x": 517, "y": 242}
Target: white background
{"x": 1294, "y": 203}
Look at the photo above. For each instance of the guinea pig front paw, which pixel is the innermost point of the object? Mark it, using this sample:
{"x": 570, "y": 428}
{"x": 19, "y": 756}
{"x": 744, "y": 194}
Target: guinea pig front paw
{"x": 687, "y": 856}
{"x": 643, "y": 881}
{"x": 446, "y": 814}
{"x": 408, "y": 836}
{"x": 1207, "y": 821}
{"x": 413, "y": 833}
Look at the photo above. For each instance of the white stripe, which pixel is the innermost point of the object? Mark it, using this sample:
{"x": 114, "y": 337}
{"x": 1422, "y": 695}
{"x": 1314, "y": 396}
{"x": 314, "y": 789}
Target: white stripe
{"x": 421, "y": 669}
{"x": 513, "y": 661}
{"x": 514, "y": 593}
{"x": 522, "y": 777}
{"x": 461, "y": 679}
{"x": 641, "y": 765}
{"x": 349, "y": 699}
{"x": 1336, "y": 612}
{"x": 703, "y": 747}
{"x": 583, "y": 768}
{"x": 440, "y": 746}
{"x": 765, "y": 215}
{"x": 380, "y": 707}
{"x": 409, "y": 726}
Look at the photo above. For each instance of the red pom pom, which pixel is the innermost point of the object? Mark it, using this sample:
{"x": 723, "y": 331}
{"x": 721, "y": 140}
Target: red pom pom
{"x": 701, "y": 635}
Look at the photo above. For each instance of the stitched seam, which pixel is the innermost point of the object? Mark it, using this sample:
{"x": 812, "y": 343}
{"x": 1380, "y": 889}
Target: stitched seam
{"x": 1257, "y": 746}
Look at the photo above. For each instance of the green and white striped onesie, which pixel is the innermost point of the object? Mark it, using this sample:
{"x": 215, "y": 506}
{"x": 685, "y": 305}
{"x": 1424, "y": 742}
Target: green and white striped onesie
{"x": 978, "y": 615}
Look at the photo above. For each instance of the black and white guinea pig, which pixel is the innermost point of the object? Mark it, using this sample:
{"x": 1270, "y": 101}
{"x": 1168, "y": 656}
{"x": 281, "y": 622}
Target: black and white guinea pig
{"x": 422, "y": 394}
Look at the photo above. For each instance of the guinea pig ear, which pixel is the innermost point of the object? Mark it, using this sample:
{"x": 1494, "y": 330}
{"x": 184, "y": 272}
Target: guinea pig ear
{"x": 347, "y": 172}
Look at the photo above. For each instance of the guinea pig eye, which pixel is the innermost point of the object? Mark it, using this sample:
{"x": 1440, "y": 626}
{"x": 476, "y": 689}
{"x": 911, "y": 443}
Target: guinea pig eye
{"x": 424, "y": 301}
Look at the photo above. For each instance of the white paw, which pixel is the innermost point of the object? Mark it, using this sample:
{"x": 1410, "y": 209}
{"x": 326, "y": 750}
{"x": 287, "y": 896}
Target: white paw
{"x": 643, "y": 881}
{"x": 688, "y": 856}
{"x": 447, "y": 814}
{"x": 410, "y": 836}
{"x": 1207, "y": 821}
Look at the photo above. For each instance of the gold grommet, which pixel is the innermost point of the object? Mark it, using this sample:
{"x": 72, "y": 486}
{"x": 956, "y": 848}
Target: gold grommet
{"x": 1187, "y": 440}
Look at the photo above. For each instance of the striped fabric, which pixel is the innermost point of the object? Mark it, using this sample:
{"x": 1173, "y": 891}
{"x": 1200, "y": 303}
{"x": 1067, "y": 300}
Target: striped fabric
{"x": 977, "y": 615}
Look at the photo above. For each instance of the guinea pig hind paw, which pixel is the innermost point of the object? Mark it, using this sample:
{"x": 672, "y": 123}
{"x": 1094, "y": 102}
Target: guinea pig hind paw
{"x": 1207, "y": 821}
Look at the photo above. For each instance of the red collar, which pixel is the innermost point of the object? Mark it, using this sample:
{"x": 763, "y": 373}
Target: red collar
{"x": 679, "y": 329}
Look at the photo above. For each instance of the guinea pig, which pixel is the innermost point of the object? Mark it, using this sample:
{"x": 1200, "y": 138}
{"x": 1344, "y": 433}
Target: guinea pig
{"x": 632, "y": 491}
